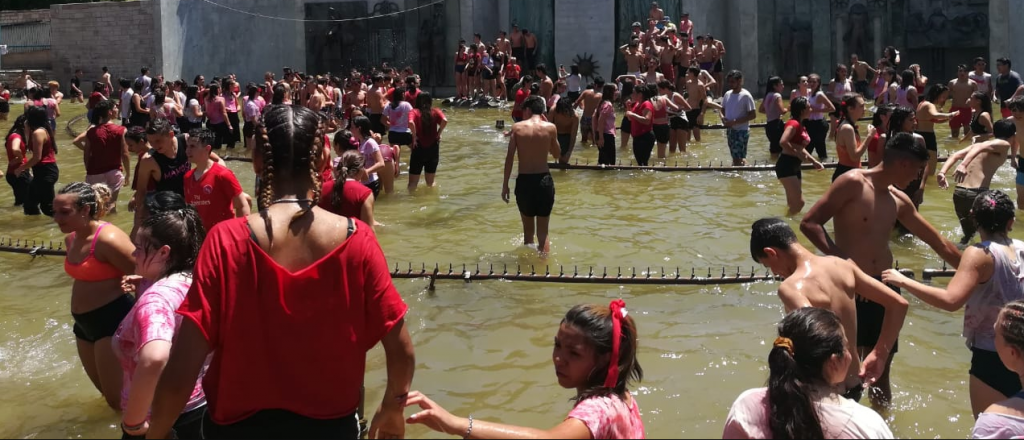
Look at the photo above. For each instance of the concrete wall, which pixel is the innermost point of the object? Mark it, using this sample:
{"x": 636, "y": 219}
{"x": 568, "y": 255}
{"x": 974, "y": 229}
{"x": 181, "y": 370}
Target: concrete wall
{"x": 200, "y": 38}
{"x": 586, "y": 26}
{"x": 89, "y": 36}
{"x": 1005, "y": 31}
{"x": 9, "y": 17}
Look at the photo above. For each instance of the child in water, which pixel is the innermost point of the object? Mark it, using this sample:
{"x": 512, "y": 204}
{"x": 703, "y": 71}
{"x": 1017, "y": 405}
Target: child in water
{"x": 587, "y": 338}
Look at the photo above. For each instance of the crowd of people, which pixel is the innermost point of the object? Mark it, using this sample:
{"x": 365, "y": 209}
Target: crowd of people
{"x": 165, "y": 332}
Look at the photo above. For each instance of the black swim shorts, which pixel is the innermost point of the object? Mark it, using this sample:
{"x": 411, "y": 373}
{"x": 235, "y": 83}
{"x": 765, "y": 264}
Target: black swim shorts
{"x": 102, "y": 322}
{"x": 788, "y": 166}
{"x": 535, "y": 194}
{"x": 662, "y": 133}
{"x": 869, "y": 322}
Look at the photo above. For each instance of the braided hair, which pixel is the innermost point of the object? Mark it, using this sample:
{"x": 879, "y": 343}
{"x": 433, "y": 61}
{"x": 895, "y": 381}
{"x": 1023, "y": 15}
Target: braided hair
{"x": 993, "y": 211}
{"x": 96, "y": 197}
{"x": 1011, "y": 324}
{"x": 291, "y": 141}
{"x": 351, "y": 164}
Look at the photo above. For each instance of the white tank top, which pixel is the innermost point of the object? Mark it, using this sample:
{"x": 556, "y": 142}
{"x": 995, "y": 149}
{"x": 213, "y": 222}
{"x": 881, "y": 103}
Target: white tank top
{"x": 817, "y": 110}
{"x": 842, "y": 88}
{"x": 901, "y": 97}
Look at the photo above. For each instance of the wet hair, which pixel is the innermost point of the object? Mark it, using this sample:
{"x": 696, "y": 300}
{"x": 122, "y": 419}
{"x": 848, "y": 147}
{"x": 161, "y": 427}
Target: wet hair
{"x": 204, "y": 136}
{"x": 565, "y": 107}
{"x": 125, "y": 83}
{"x": 101, "y": 112}
{"x": 137, "y": 86}
{"x": 19, "y": 129}
{"x": 350, "y": 164}
{"x": 213, "y": 91}
{"x": 1005, "y": 62}
{"x": 891, "y": 55}
{"x": 104, "y": 68}
{"x": 1004, "y": 129}
{"x": 145, "y": 70}
{"x": 598, "y": 82}
{"x": 608, "y": 92}
{"x": 770, "y": 233}
{"x": 136, "y": 134}
{"x": 816, "y": 336}
{"x": 535, "y": 104}
{"x": 343, "y": 141}
{"x": 734, "y": 74}
{"x": 397, "y": 97}
{"x": 935, "y": 92}
{"x": 894, "y": 78}
{"x": 817, "y": 78}
{"x": 907, "y": 79}
{"x": 195, "y": 81}
{"x": 898, "y": 119}
{"x": 191, "y": 92}
{"x": 279, "y": 92}
{"x": 648, "y": 91}
{"x": 542, "y": 68}
{"x": 904, "y": 146}
{"x": 424, "y": 103}
{"x": 848, "y": 101}
{"x": 694, "y": 70}
{"x": 595, "y": 322}
{"x": 993, "y": 210}
{"x": 159, "y": 127}
{"x": 527, "y": 79}
{"x": 574, "y": 69}
{"x": 798, "y": 106}
{"x": 163, "y": 201}
{"x": 363, "y": 124}
{"x": 962, "y": 68}
{"x": 986, "y": 102}
{"x": 1011, "y": 324}
{"x": 35, "y": 117}
{"x": 839, "y": 67}
{"x": 98, "y": 86}
{"x": 773, "y": 82}
{"x": 876, "y": 118}
{"x": 252, "y": 91}
{"x": 96, "y": 197}
{"x": 291, "y": 141}
{"x": 666, "y": 84}
{"x": 1016, "y": 104}
{"x": 535, "y": 89}
{"x": 179, "y": 229}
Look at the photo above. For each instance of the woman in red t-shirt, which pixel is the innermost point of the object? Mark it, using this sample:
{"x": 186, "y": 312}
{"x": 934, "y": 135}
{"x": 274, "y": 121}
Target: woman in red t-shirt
{"x": 430, "y": 123}
{"x": 641, "y": 120}
{"x": 40, "y": 142}
{"x": 794, "y": 153}
{"x": 346, "y": 195}
{"x": 288, "y": 301}
{"x": 879, "y": 122}
{"x": 15, "y": 145}
{"x": 5, "y": 101}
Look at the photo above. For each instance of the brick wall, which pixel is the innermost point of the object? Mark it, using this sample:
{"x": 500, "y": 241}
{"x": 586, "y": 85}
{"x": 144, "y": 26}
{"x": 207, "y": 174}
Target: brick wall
{"x": 10, "y": 17}
{"x": 88, "y": 36}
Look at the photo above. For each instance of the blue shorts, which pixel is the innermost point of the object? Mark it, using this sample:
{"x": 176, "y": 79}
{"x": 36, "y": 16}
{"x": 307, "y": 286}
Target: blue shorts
{"x": 1020, "y": 177}
{"x": 738, "y": 140}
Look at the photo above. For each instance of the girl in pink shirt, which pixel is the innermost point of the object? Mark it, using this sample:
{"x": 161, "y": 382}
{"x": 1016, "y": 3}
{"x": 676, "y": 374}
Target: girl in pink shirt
{"x": 588, "y": 336}
{"x": 808, "y": 359}
{"x": 166, "y": 247}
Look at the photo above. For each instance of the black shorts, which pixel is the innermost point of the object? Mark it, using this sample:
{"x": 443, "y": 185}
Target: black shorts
{"x": 869, "y": 322}
{"x": 718, "y": 67}
{"x": 661, "y": 133}
{"x": 249, "y": 130}
{"x": 535, "y": 194}
{"x": 278, "y": 423}
{"x": 627, "y": 125}
{"x": 788, "y": 166}
{"x": 399, "y": 138}
{"x": 5, "y": 107}
{"x": 424, "y": 158}
{"x": 377, "y": 124}
{"x": 564, "y": 143}
{"x": 678, "y": 123}
{"x": 102, "y": 322}
{"x": 930, "y": 141}
{"x": 487, "y": 74}
{"x": 989, "y": 369}
{"x": 691, "y": 119}
{"x": 840, "y": 170}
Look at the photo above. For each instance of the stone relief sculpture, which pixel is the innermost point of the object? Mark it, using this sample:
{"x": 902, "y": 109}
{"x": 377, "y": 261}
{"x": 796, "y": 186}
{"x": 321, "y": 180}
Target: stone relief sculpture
{"x": 857, "y": 36}
{"x": 947, "y": 23}
{"x": 795, "y": 37}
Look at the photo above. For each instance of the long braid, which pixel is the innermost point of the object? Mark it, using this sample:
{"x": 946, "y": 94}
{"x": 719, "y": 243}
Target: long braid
{"x": 314, "y": 172}
{"x": 267, "y": 173}
{"x": 1011, "y": 324}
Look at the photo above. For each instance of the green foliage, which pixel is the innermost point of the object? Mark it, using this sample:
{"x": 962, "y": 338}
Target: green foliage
{"x": 16, "y": 5}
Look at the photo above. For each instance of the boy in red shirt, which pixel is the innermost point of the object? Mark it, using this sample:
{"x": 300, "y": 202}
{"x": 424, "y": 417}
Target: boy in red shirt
{"x": 211, "y": 187}
{"x": 94, "y": 98}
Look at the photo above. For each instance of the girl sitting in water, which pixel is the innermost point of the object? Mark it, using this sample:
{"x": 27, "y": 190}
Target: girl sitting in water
{"x": 1006, "y": 419}
{"x": 809, "y": 358}
{"x": 587, "y": 338}
{"x": 167, "y": 244}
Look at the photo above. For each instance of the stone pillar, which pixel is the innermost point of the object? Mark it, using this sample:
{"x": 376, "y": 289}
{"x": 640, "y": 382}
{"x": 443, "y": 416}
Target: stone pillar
{"x": 838, "y": 39}
{"x": 821, "y": 55}
{"x": 741, "y": 42}
{"x": 466, "y": 20}
{"x": 876, "y": 30}
{"x": 504, "y": 22}
{"x": 586, "y": 26}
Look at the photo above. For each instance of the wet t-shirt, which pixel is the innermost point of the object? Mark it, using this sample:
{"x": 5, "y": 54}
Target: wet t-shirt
{"x": 609, "y": 417}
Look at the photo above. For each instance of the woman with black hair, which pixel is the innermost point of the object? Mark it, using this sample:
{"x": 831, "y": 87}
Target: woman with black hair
{"x": 849, "y": 146}
{"x": 773, "y": 109}
{"x": 927, "y": 116}
{"x": 311, "y": 276}
{"x": 43, "y": 146}
{"x": 990, "y": 276}
{"x": 641, "y": 118}
{"x": 139, "y": 115}
{"x": 16, "y": 145}
{"x": 794, "y": 143}
{"x": 193, "y": 111}
{"x": 426, "y": 154}
{"x": 807, "y": 361}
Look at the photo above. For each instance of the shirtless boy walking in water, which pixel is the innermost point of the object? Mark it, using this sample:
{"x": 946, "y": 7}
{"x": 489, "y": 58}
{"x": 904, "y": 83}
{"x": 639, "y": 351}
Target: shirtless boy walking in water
{"x": 829, "y": 283}
{"x": 960, "y": 90}
{"x": 533, "y": 140}
{"x": 864, "y": 206}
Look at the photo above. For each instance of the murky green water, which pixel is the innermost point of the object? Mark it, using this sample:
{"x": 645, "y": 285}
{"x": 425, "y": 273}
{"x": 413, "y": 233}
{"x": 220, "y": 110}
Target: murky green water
{"x": 484, "y": 348}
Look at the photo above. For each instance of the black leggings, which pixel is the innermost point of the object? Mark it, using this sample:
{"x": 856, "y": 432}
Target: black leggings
{"x": 606, "y": 155}
{"x": 41, "y": 192}
{"x": 233, "y": 136}
{"x": 774, "y": 131}
{"x": 818, "y": 132}
{"x": 220, "y": 134}
{"x": 276, "y": 423}
{"x": 642, "y": 147}
{"x": 20, "y": 185}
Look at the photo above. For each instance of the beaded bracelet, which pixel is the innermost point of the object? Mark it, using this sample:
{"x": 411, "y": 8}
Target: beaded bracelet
{"x": 470, "y": 430}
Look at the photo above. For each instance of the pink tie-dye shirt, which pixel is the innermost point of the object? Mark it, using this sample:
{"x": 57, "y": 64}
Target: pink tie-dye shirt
{"x": 153, "y": 318}
{"x": 609, "y": 417}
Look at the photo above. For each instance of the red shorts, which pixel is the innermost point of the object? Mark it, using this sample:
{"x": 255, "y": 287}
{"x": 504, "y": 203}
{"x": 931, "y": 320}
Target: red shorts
{"x": 1006, "y": 112}
{"x": 961, "y": 120}
{"x": 669, "y": 71}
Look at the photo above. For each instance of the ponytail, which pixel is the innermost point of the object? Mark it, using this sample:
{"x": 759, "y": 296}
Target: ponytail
{"x": 350, "y": 164}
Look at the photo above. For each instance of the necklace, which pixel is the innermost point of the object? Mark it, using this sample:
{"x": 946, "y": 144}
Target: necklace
{"x": 297, "y": 201}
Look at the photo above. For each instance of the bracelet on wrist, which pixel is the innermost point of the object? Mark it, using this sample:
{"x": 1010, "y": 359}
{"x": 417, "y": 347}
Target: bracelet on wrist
{"x": 469, "y": 431}
{"x": 125, "y": 426}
